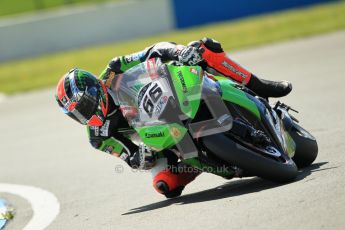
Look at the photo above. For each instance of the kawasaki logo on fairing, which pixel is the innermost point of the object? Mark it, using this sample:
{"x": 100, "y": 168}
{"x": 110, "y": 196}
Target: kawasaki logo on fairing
{"x": 183, "y": 83}
{"x": 230, "y": 67}
{"x": 153, "y": 135}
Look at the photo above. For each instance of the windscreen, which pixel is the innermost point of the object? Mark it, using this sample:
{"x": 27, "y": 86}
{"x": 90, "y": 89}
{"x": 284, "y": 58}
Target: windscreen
{"x": 143, "y": 93}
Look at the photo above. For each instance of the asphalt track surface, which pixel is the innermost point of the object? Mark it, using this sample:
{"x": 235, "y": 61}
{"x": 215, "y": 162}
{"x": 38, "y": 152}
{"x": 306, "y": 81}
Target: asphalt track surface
{"x": 40, "y": 147}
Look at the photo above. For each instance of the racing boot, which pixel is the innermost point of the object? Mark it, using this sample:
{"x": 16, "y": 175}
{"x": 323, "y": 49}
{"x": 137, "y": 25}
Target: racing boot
{"x": 266, "y": 88}
{"x": 215, "y": 57}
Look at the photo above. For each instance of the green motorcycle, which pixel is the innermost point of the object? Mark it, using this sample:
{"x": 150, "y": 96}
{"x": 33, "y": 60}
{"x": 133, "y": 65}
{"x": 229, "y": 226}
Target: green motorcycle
{"x": 212, "y": 123}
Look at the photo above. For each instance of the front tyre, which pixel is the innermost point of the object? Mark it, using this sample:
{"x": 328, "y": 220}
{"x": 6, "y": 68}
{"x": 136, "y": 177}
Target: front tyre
{"x": 306, "y": 146}
{"x": 251, "y": 161}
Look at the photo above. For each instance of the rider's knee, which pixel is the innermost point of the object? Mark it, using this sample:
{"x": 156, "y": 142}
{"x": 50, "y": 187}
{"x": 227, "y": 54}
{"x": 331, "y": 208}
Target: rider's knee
{"x": 166, "y": 181}
{"x": 172, "y": 184}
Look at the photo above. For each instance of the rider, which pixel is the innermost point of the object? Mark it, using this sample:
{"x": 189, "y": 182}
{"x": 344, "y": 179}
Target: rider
{"x": 89, "y": 101}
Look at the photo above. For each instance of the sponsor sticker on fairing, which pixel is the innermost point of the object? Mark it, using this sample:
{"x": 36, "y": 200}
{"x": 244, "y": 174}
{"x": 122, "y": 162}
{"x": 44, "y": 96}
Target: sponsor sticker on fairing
{"x": 194, "y": 71}
{"x": 151, "y": 68}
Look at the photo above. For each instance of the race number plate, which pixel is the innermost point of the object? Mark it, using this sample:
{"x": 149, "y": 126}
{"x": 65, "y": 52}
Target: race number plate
{"x": 153, "y": 98}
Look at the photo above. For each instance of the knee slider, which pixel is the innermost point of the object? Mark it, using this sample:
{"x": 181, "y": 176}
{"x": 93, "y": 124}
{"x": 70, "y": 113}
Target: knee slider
{"x": 165, "y": 181}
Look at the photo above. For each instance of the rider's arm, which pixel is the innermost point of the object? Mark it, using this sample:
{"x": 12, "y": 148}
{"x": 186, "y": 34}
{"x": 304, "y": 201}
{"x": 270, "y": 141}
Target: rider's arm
{"x": 141, "y": 157}
{"x": 165, "y": 50}
{"x": 116, "y": 145}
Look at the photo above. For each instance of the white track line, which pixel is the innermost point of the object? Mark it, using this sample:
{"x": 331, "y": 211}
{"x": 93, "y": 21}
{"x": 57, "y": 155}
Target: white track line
{"x": 44, "y": 204}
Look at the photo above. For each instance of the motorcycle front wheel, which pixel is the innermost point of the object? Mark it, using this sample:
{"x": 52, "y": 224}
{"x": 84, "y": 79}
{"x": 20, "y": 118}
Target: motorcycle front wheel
{"x": 275, "y": 166}
{"x": 306, "y": 146}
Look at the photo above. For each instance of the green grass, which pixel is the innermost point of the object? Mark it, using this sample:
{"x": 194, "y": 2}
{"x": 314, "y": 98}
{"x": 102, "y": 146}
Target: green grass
{"x": 10, "y": 7}
{"x": 45, "y": 71}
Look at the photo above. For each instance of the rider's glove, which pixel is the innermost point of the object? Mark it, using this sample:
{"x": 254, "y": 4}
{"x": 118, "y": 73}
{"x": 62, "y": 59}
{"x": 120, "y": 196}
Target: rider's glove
{"x": 144, "y": 158}
{"x": 190, "y": 56}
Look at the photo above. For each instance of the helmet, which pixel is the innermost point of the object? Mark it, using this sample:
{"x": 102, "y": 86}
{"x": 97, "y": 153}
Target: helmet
{"x": 83, "y": 97}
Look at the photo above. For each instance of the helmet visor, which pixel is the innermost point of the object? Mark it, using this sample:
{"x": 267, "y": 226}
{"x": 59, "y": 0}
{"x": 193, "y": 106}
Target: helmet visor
{"x": 87, "y": 105}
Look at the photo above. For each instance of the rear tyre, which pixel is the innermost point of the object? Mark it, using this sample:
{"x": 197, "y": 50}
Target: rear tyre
{"x": 265, "y": 166}
{"x": 306, "y": 146}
